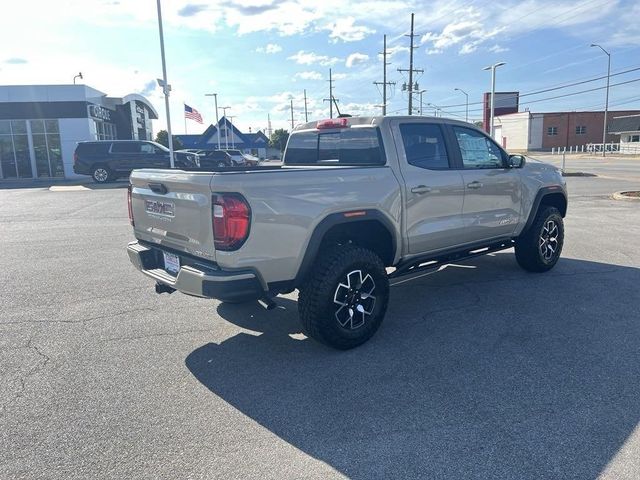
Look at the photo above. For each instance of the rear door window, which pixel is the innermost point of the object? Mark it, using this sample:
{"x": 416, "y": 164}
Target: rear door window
{"x": 125, "y": 147}
{"x": 424, "y": 145}
{"x": 349, "y": 146}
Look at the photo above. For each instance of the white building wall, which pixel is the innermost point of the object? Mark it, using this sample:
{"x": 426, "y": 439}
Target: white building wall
{"x": 514, "y": 128}
{"x": 72, "y": 131}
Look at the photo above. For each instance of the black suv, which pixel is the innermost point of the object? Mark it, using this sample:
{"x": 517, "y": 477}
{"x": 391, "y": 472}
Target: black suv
{"x": 107, "y": 160}
{"x": 220, "y": 158}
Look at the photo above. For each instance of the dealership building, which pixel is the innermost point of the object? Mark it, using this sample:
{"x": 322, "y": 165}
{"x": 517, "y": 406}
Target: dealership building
{"x": 40, "y": 126}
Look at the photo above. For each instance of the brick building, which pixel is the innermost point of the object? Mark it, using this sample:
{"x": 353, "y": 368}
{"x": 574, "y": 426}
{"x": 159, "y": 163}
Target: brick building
{"x": 543, "y": 131}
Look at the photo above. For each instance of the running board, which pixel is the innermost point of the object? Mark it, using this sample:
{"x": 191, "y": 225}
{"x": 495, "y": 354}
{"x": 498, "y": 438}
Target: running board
{"x": 419, "y": 268}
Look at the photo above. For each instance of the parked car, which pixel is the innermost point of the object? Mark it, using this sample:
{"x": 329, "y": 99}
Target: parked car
{"x": 360, "y": 204}
{"x": 211, "y": 159}
{"x": 107, "y": 160}
{"x": 251, "y": 160}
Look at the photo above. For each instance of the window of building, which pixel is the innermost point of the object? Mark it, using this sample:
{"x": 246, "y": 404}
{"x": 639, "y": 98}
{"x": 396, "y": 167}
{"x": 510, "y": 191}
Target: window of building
{"x": 424, "y": 145}
{"x": 634, "y": 138}
{"x": 105, "y": 130}
{"x": 15, "y": 151}
{"x": 552, "y": 131}
{"x": 581, "y": 130}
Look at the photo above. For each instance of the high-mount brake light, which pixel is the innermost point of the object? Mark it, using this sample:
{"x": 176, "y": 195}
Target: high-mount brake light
{"x": 231, "y": 221}
{"x": 332, "y": 123}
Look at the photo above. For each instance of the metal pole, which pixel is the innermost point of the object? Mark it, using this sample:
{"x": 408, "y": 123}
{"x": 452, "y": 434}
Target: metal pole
{"x": 291, "y": 100}
{"x": 493, "y": 91}
{"x": 606, "y": 105}
{"x": 226, "y": 132}
{"x": 411, "y": 69}
{"x": 215, "y": 99}
{"x": 185, "y": 121}
{"x": 384, "y": 76}
{"x": 330, "y": 95}
{"x": 306, "y": 116}
{"x": 233, "y": 145}
{"x": 166, "y": 88}
{"x": 466, "y": 117}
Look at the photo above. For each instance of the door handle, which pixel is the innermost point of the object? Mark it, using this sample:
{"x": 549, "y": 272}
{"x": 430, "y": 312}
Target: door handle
{"x": 421, "y": 189}
{"x": 158, "y": 188}
{"x": 474, "y": 185}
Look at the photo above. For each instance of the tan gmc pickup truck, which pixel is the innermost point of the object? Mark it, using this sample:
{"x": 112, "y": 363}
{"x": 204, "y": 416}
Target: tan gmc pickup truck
{"x": 359, "y": 204}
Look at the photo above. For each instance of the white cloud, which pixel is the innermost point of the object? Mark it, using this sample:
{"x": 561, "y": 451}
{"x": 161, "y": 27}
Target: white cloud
{"x": 498, "y": 49}
{"x": 345, "y": 30}
{"x": 339, "y": 76}
{"x": 309, "y": 75}
{"x": 355, "y": 59}
{"x": 310, "y": 58}
{"x": 269, "y": 48}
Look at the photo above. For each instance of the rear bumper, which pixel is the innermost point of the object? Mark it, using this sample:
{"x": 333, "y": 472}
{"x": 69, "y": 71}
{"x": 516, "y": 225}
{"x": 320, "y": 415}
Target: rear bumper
{"x": 199, "y": 279}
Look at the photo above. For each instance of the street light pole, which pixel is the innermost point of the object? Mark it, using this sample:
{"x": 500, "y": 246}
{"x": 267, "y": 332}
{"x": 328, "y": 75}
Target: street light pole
{"x": 606, "y": 105}
{"x": 466, "y": 117}
{"x": 226, "y": 131}
{"x": 166, "y": 88}
{"x": 421, "y": 92}
{"x": 233, "y": 145}
{"x": 215, "y": 98}
{"x": 493, "y": 91}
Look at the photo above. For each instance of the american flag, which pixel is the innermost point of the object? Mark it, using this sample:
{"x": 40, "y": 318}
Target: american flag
{"x": 192, "y": 113}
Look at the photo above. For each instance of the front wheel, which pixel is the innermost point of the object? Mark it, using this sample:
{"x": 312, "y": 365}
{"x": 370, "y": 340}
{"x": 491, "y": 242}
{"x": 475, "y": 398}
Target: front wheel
{"x": 539, "y": 248}
{"x": 343, "y": 301}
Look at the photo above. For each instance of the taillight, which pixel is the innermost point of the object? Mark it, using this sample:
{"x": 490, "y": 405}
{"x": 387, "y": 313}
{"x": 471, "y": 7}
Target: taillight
{"x": 231, "y": 220}
{"x": 332, "y": 123}
{"x": 129, "y": 206}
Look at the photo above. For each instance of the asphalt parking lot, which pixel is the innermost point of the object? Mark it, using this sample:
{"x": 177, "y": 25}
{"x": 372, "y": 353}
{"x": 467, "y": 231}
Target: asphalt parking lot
{"x": 479, "y": 371}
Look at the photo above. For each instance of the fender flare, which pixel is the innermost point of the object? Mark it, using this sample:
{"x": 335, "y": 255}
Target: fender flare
{"x": 340, "y": 218}
{"x": 543, "y": 192}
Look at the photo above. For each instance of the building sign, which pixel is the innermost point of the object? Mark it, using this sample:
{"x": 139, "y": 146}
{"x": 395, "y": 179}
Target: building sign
{"x": 99, "y": 113}
{"x": 140, "y": 116}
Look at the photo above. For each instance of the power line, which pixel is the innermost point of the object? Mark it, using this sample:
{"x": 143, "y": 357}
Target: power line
{"x": 550, "y": 89}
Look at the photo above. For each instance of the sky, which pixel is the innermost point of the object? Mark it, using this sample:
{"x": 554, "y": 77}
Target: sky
{"x": 257, "y": 55}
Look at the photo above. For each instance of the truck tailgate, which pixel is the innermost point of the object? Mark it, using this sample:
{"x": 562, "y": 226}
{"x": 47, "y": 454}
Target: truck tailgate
{"x": 173, "y": 209}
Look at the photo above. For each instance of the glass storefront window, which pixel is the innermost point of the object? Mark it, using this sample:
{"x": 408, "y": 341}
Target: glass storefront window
{"x": 18, "y": 126}
{"x": 7, "y": 159}
{"x": 42, "y": 154}
{"x": 5, "y": 127}
{"x": 52, "y": 126}
{"x": 55, "y": 155}
{"x": 37, "y": 126}
{"x": 23, "y": 156}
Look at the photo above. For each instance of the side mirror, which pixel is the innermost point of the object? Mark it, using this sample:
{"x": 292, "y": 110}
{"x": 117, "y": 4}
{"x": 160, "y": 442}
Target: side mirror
{"x": 516, "y": 161}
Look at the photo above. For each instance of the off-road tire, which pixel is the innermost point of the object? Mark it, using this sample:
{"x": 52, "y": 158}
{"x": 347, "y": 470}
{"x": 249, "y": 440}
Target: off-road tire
{"x": 332, "y": 273}
{"x": 101, "y": 174}
{"x": 531, "y": 247}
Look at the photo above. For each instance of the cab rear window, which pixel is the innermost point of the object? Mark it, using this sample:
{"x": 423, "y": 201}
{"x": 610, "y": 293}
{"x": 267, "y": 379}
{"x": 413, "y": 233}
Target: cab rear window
{"x": 351, "y": 146}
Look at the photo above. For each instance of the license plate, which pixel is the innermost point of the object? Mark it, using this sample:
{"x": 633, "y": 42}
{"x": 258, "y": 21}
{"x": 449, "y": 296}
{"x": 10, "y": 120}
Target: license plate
{"x": 171, "y": 262}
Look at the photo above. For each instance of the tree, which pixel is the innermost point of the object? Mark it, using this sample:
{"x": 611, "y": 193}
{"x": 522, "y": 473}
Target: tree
{"x": 479, "y": 124}
{"x": 279, "y": 138}
{"x": 162, "y": 137}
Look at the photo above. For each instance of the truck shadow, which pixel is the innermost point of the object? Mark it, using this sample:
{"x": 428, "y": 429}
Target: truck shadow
{"x": 478, "y": 372}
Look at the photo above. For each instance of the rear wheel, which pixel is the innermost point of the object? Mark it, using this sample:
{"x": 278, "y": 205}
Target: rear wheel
{"x": 344, "y": 300}
{"x": 101, "y": 174}
{"x": 539, "y": 248}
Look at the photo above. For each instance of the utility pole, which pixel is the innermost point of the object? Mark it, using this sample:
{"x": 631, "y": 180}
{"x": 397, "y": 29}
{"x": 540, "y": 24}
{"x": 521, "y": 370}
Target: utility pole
{"x": 306, "y": 116}
{"x": 411, "y": 70}
{"x": 215, "y": 98}
{"x": 384, "y": 82}
{"x": 291, "y": 99}
{"x": 331, "y": 98}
